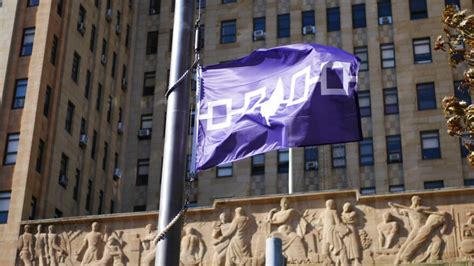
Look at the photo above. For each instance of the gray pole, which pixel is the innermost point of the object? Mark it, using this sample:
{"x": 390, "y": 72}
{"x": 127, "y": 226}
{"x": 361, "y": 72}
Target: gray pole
{"x": 174, "y": 157}
{"x": 273, "y": 252}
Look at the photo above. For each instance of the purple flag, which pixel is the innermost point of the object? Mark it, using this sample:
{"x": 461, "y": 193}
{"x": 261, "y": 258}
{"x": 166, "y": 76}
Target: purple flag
{"x": 289, "y": 96}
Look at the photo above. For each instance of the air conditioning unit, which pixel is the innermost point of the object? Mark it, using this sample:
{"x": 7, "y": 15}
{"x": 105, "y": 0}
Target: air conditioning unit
{"x": 385, "y": 20}
{"x": 108, "y": 14}
{"x": 103, "y": 59}
{"x": 124, "y": 83}
{"x": 144, "y": 133}
{"x": 311, "y": 165}
{"x": 81, "y": 27}
{"x": 120, "y": 127}
{"x": 118, "y": 29}
{"x": 394, "y": 157}
{"x": 117, "y": 174}
{"x": 83, "y": 139}
{"x": 309, "y": 30}
{"x": 258, "y": 35}
{"x": 63, "y": 180}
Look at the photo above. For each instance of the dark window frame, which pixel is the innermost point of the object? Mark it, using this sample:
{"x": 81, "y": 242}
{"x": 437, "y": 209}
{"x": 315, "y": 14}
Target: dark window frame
{"x": 19, "y": 99}
{"x": 369, "y": 156}
{"x": 394, "y": 145}
{"x": 27, "y": 48}
{"x": 221, "y": 170}
{"x": 360, "y": 51}
{"x": 386, "y": 47}
{"x": 359, "y": 17}
{"x": 283, "y": 25}
{"x": 152, "y": 42}
{"x": 333, "y": 19}
{"x": 149, "y": 90}
{"x": 11, "y": 137}
{"x": 430, "y": 153}
{"x": 257, "y": 167}
{"x": 365, "y": 111}
{"x": 390, "y": 108}
{"x": 142, "y": 179}
{"x": 426, "y": 96}
{"x": 425, "y": 58}
{"x": 334, "y": 158}
{"x": 231, "y": 25}
{"x": 417, "y": 12}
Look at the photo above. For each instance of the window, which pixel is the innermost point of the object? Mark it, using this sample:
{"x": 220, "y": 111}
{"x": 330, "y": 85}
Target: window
{"x": 426, "y": 96}
{"x": 462, "y": 93}
{"x": 87, "y": 87}
{"x": 170, "y": 41}
{"x": 384, "y": 9}
{"x": 59, "y": 7}
{"x": 96, "y": 3}
{"x": 258, "y": 164}
{"x": 283, "y": 161}
{"x": 20, "y": 93}
{"x": 464, "y": 150}
{"x": 469, "y": 182}
{"x": 224, "y": 170}
{"x": 149, "y": 83}
{"x": 11, "y": 148}
{"x": 283, "y": 25}
{"x": 307, "y": 19}
{"x": 147, "y": 121}
{"x": 69, "y": 117}
{"x": 453, "y": 2}
{"x": 98, "y": 100}
{"x": 367, "y": 190}
{"x": 358, "y": 16}
{"x": 434, "y": 184}
{"x": 152, "y": 42}
{"x": 112, "y": 206}
{"x": 94, "y": 145}
{"x": 366, "y": 152}
{"x": 114, "y": 65}
{"x": 105, "y": 156}
{"x": 362, "y": 53}
{"x": 228, "y": 31}
{"x": 63, "y": 170}
{"x": 396, "y": 188}
{"x": 430, "y": 148}
{"x": 118, "y": 22}
{"x": 32, "y": 208}
{"x": 47, "y": 101}
{"x": 338, "y": 155}
{"x": 76, "y": 63}
{"x": 4, "y": 206}
{"x": 93, "y": 38}
{"x": 139, "y": 208}
{"x": 228, "y": 1}
{"x": 109, "y": 109}
{"x": 258, "y": 25}
{"x": 394, "y": 149}
{"x": 387, "y": 55}
{"x": 75, "y": 190}
{"x": 154, "y": 7}
{"x": 311, "y": 158}
{"x": 103, "y": 53}
{"x": 101, "y": 201}
{"x": 364, "y": 103}
{"x": 390, "y": 100}
{"x": 33, "y": 2}
{"x": 40, "y": 156}
{"x": 418, "y": 9}
{"x": 142, "y": 172}
{"x": 54, "y": 50}
{"x": 27, "y": 43}
{"x": 333, "y": 19}
{"x": 422, "y": 51}
{"x": 81, "y": 22}
{"x": 127, "y": 36}
{"x": 89, "y": 195}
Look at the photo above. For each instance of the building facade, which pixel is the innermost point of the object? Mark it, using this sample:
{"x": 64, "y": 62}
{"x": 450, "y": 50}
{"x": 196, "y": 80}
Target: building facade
{"x": 83, "y": 106}
{"x": 401, "y": 84}
{"x": 64, "y": 96}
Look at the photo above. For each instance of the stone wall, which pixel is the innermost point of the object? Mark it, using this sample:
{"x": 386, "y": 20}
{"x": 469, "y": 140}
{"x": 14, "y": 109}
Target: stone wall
{"x": 340, "y": 228}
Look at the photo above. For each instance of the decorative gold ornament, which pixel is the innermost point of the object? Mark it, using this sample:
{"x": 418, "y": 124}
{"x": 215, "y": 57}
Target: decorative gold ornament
{"x": 458, "y": 42}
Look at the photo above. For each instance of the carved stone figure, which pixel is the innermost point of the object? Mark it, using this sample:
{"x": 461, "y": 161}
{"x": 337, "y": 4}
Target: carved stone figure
{"x": 112, "y": 251}
{"x": 351, "y": 240}
{"x": 149, "y": 246}
{"x": 56, "y": 252}
{"x": 387, "y": 230}
{"x": 25, "y": 246}
{"x": 41, "y": 247}
{"x": 292, "y": 228}
{"x": 93, "y": 241}
{"x": 467, "y": 244}
{"x": 237, "y": 251}
{"x": 333, "y": 231}
{"x": 192, "y": 248}
{"x": 220, "y": 246}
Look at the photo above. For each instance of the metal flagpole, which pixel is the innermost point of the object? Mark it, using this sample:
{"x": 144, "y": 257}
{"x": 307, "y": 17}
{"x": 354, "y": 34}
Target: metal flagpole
{"x": 290, "y": 171}
{"x": 173, "y": 173}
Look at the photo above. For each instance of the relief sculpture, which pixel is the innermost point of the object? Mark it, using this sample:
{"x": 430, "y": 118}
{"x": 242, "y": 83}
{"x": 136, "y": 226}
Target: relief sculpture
{"x": 237, "y": 248}
{"x": 291, "y": 229}
{"x": 92, "y": 244}
{"x": 41, "y": 247}
{"x": 25, "y": 246}
{"x": 387, "y": 231}
{"x": 148, "y": 243}
{"x": 192, "y": 248}
{"x": 351, "y": 239}
{"x": 57, "y": 253}
{"x": 467, "y": 244}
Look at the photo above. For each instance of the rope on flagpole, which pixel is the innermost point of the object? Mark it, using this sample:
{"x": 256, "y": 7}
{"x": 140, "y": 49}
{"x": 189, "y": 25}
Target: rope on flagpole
{"x": 193, "y": 174}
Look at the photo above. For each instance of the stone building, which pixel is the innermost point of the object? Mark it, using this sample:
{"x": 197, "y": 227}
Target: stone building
{"x": 82, "y": 103}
